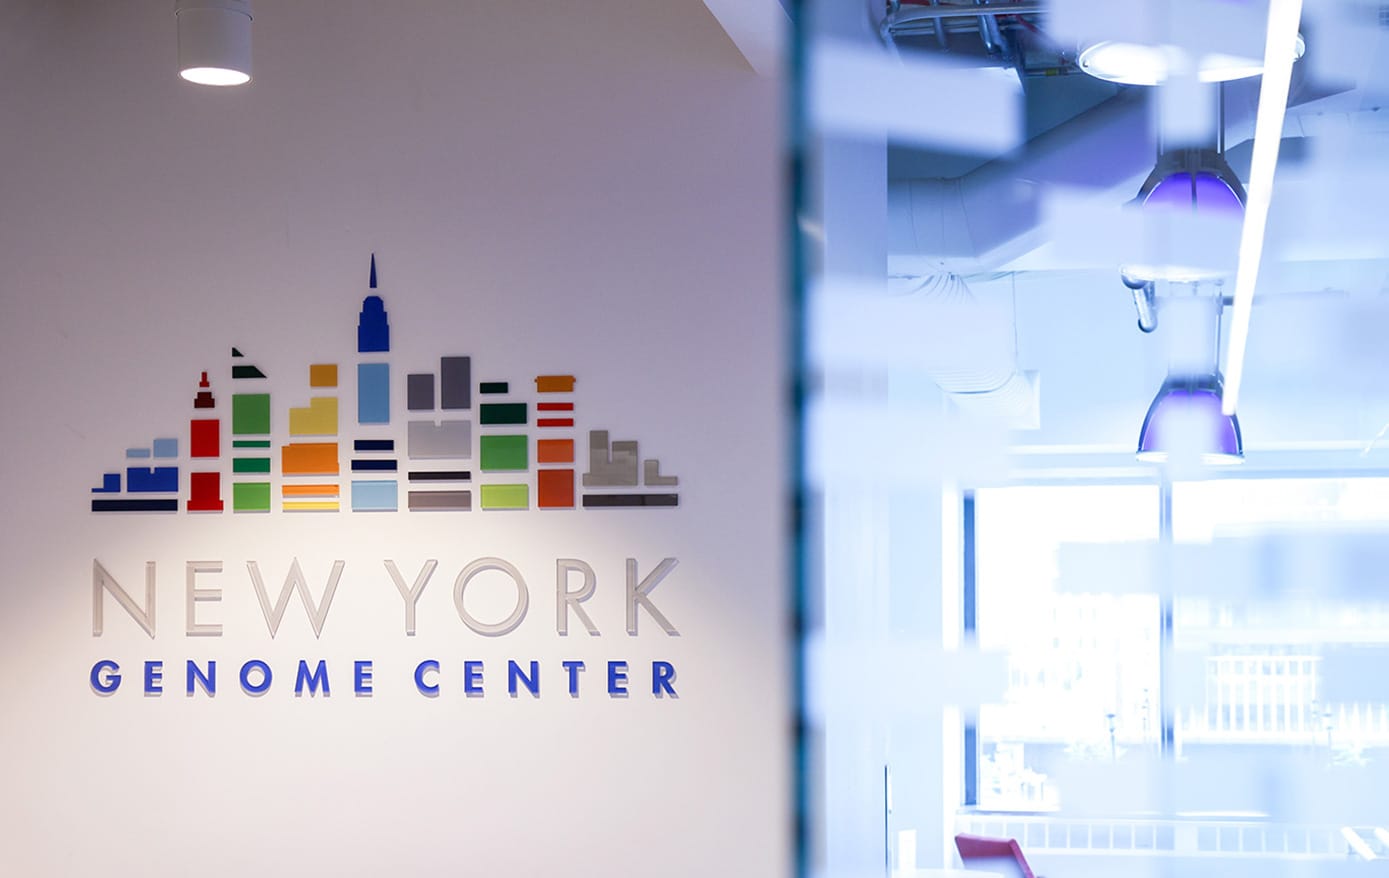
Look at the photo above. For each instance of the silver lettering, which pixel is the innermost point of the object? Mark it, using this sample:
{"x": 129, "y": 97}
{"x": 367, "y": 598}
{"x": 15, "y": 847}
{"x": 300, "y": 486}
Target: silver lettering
{"x": 411, "y": 595}
{"x": 294, "y": 581}
{"x": 194, "y": 594}
{"x": 103, "y": 580}
{"x": 637, "y": 594}
{"x": 565, "y": 600}
{"x": 507, "y": 625}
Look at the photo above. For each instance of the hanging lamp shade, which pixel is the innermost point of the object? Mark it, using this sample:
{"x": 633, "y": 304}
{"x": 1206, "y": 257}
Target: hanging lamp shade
{"x": 1185, "y": 421}
{"x": 1202, "y": 192}
{"x": 1194, "y": 196}
{"x": 214, "y": 41}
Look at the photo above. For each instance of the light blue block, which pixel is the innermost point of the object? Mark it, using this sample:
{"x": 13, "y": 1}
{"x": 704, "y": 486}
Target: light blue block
{"x": 166, "y": 448}
{"x": 137, "y": 453}
{"x": 374, "y": 496}
{"x": 373, "y": 393}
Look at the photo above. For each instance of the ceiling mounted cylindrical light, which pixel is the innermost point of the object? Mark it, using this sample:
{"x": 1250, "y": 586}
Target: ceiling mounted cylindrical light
{"x": 1185, "y": 423}
{"x": 1144, "y": 64}
{"x": 214, "y": 41}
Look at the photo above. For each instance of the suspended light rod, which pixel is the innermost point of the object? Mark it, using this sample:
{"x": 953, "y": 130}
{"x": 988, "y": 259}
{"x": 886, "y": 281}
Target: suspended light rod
{"x": 1280, "y": 46}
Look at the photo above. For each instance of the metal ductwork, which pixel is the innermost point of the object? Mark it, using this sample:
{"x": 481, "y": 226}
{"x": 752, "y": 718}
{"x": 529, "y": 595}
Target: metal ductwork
{"x": 992, "y": 215}
{"x": 981, "y": 220}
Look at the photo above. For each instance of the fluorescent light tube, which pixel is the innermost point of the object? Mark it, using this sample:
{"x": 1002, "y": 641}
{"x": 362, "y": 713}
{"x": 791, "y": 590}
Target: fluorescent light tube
{"x": 1279, "y": 50}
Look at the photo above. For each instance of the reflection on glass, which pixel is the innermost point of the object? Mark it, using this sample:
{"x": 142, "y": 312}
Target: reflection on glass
{"x": 1294, "y": 666}
{"x": 1082, "y": 661}
{"x": 1276, "y": 663}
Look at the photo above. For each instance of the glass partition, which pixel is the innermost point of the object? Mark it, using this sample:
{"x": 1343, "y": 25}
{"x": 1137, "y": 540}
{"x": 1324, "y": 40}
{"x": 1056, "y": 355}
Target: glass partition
{"x": 1090, "y": 488}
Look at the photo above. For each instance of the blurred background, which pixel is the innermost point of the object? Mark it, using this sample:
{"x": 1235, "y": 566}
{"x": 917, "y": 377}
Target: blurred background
{"x": 1094, "y": 397}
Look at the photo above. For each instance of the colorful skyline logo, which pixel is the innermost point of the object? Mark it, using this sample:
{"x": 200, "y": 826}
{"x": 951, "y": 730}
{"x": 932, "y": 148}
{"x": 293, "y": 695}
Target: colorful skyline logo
{"x": 524, "y": 449}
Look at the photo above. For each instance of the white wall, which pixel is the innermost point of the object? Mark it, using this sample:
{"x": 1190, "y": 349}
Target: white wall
{"x": 585, "y": 187}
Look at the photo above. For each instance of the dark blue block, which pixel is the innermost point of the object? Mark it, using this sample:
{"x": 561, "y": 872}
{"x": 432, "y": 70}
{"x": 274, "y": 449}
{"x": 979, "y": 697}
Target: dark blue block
{"x": 160, "y": 479}
{"x": 373, "y": 332}
{"x": 133, "y": 505}
{"x": 374, "y": 445}
{"x": 359, "y": 466}
{"x": 110, "y": 484}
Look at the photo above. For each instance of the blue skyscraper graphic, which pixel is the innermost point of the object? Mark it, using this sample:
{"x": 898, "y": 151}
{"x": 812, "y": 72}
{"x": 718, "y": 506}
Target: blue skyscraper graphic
{"x": 375, "y": 487}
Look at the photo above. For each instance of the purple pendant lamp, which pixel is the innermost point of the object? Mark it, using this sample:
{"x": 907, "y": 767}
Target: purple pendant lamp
{"x": 1187, "y": 182}
{"x": 1185, "y": 421}
{"x": 1204, "y": 192}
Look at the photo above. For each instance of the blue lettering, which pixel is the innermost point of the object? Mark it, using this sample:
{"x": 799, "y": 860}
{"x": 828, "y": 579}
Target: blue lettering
{"x": 361, "y": 678}
{"x": 662, "y": 676}
{"x": 105, "y": 677}
{"x": 154, "y": 677}
{"x": 617, "y": 679}
{"x": 472, "y": 678}
{"x": 318, "y": 679}
{"x": 513, "y": 673}
{"x": 425, "y": 688}
{"x": 264, "y": 684}
{"x": 194, "y": 675}
{"x": 573, "y": 668}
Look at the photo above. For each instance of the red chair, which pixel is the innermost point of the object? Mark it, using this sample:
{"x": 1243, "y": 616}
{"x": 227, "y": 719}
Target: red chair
{"x": 1001, "y": 855}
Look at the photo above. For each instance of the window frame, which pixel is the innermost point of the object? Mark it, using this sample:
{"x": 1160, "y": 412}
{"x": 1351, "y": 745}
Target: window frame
{"x": 971, "y": 762}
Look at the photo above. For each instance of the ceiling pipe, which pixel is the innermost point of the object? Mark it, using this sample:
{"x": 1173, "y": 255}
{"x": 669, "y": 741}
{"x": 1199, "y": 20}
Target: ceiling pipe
{"x": 989, "y": 32}
{"x": 1144, "y": 301}
{"x": 937, "y": 26}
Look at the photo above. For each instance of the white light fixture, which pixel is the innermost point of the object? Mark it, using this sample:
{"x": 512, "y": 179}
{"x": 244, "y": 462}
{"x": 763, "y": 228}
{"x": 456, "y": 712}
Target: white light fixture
{"x": 1143, "y": 64}
{"x": 1283, "y": 19}
{"x": 214, "y": 41}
